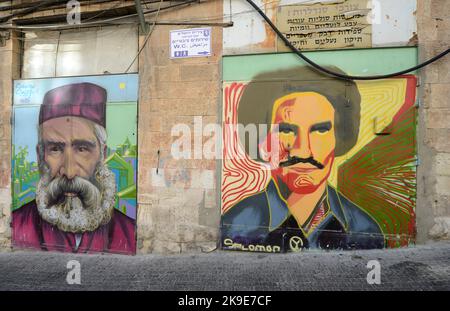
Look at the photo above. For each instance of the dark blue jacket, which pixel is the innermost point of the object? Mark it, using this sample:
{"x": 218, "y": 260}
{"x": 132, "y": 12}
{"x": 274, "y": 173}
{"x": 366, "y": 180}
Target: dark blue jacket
{"x": 264, "y": 220}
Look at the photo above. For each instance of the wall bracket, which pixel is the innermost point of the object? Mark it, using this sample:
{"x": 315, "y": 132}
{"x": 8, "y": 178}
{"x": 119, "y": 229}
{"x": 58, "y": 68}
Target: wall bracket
{"x": 4, "y": 36}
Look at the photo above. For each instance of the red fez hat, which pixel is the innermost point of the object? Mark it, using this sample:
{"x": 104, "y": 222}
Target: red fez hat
{"x": 84, "y": 100}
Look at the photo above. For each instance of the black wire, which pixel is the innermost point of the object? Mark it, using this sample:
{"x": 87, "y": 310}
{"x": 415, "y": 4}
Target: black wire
{"x": 336, "y": 74}
{"x": 29, "y": 10}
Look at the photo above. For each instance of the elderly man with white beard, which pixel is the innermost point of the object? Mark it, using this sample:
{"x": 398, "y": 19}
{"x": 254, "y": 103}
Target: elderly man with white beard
{"x": 75, "y": 197}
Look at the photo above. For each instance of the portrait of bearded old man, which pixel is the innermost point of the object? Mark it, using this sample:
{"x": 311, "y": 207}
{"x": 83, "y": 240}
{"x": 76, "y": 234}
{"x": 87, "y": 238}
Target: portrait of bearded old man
{"x": 75, "y": 197}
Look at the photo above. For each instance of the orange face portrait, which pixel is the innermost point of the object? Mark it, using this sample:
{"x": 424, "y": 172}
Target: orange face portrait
{"x": 304, "y": 123}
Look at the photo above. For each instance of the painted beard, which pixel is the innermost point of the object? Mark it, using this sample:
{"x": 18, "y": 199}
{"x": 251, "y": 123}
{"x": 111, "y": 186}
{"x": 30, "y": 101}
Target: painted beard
{"x": 89, "y": 205}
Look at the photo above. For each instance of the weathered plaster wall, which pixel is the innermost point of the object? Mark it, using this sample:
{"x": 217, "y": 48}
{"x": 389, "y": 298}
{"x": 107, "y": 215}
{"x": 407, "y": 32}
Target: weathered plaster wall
{"x": 177, "y": 199}
{"x": 9, "y": 69}
{"x": 433, "y": 212}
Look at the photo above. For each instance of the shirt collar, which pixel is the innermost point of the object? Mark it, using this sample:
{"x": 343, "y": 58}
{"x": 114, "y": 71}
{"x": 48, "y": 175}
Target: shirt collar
{"x": 279, "y": 210}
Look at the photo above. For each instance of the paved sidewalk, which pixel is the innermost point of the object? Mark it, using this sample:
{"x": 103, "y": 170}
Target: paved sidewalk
{"x": 424, "y": 267}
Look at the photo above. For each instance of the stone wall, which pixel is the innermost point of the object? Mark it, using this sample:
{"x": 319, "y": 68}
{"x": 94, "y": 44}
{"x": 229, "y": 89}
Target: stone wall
{"x": 9, "y": 70}
{"x": 178, "y": 208}
{"x": 433, "y": 206}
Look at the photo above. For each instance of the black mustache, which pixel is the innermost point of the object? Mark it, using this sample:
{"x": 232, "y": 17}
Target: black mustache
{"x": 295, "y": 160}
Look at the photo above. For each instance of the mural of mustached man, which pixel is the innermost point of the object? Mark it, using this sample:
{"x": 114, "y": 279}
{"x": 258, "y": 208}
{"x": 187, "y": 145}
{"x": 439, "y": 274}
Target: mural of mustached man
{"x": 314, "y": 118}
{"x": 75, "y": 195}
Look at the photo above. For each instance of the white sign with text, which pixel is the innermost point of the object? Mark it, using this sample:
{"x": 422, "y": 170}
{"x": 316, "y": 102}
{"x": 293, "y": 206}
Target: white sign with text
{"x": 195, "y": 42}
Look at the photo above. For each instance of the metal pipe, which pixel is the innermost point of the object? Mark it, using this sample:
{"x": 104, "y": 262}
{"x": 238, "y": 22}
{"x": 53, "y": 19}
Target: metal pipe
{"x": 144, "y": 25}
{"x": 37, "y": 27}
{"x": 225, "y": 25}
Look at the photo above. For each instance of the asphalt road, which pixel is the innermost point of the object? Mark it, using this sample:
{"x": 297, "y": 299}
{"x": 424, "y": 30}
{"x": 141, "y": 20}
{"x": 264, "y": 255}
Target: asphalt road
{"x": 419, "y": 268}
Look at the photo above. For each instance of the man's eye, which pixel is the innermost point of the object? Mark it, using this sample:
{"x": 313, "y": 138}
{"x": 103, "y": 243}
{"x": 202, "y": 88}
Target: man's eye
{"x": 54, "y": 149}
{"x": 286, "y": 131}
{"x": 82, "y": 149}
{"x": 323, "y": 130}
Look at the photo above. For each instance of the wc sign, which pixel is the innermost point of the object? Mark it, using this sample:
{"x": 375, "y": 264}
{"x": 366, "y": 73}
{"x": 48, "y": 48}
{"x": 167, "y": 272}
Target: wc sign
{"x": 195, "y": 42}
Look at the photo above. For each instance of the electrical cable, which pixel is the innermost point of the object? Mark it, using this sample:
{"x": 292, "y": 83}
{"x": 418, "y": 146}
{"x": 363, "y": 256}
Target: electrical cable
{"x": 31, "y": 9}
{"x": 93, "y": 23}
{"x": 147, "y": 37}
{"x": 275, "y": 29}
{"x": 336, "y": 74}
{"x": 25, "y": 28}
{"x": 59, "y": 5}
{"x": 102, "y": 12}
{"x": 57, "y": 52}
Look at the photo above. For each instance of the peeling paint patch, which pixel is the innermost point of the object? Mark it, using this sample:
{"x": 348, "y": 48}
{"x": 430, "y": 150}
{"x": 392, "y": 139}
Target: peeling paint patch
{"x": 414, "y": 40}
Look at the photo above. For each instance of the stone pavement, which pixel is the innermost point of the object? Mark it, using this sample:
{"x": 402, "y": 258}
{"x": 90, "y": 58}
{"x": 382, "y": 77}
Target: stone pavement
{"x": 425, "y": 267}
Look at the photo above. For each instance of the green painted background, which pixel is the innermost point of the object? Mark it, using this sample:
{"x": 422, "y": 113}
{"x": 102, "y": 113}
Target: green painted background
{"x": 121, "y": 123}
{"x": 353, "y": 62}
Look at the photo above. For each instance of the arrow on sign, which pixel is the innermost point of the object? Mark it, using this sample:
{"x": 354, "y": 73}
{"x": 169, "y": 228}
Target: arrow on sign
{"x": 203, "y": 53}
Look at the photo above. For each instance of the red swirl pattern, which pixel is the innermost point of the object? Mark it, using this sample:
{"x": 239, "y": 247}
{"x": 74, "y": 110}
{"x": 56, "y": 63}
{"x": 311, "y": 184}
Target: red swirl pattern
{"x": 241, "y": 176}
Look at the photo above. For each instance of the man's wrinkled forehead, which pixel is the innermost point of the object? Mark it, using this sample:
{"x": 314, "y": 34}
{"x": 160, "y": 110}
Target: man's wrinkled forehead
{"x": 302, "y": 107}
{"x": 68, "y": 129}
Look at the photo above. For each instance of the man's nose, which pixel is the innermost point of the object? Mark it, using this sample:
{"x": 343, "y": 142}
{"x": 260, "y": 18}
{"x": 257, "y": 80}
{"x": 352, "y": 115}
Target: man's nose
{"x": 301, "y": 147}
{"x": 69, "y": 169}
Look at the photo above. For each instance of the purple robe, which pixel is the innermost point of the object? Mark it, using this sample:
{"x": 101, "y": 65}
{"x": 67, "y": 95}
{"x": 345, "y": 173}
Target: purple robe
{"x": 29, "y": 230}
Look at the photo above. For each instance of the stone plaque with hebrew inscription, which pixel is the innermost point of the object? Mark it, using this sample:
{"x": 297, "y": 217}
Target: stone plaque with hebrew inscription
{"x": 326, "y": 26}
